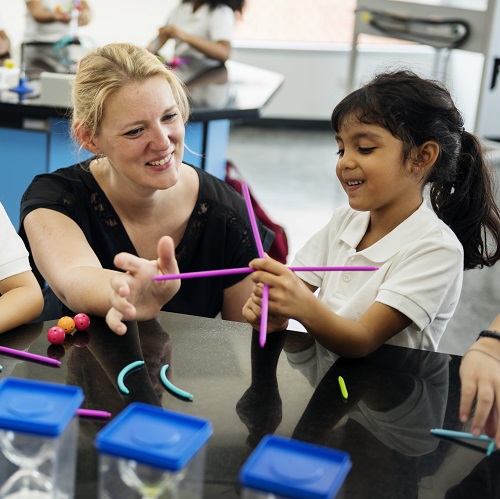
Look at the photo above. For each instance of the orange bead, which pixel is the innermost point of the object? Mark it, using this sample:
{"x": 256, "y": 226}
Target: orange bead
{"x": 66, "y": 323}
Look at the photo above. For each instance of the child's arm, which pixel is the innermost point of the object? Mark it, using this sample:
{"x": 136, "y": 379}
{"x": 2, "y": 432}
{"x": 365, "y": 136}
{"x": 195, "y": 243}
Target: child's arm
{"x": 290, "y": 297}
{"x": 21, "y": 300}
{"x": 220, "y": 50}
{"x": 480, "y": 377}
{"x": 43, "y": 14}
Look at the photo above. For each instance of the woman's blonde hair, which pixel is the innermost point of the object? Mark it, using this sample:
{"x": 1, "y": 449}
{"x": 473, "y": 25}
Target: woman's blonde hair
{"x": 105, "y": 70}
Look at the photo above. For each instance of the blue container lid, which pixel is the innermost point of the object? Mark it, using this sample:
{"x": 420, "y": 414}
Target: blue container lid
{"x": 295, "y": 469}
{"x": 154, "y": 436}
{"x": 37, "y": 407}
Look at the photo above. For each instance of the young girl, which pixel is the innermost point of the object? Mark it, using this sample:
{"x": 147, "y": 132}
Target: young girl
{"x": 395, "y": 135}
{"x": 203, "y": 29}
{"x": 21, "y": 298}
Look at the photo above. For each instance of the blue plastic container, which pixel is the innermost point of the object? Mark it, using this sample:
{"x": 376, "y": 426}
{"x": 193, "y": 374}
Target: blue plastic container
{"x": 288, "y": 468}
{"x": 38, "y": 438}
{"x": 147, "y": 448}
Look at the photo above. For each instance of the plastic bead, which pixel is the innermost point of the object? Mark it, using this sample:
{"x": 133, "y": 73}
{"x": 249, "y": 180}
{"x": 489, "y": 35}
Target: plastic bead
{"x": 56, "y": 335}
{"x": 82, "y": 321}
{"x": 67, "y": 323}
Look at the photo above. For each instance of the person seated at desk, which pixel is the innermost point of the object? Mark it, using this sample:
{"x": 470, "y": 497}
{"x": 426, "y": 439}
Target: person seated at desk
{"x": 480, "y": 378}
{"x": 203, "y": 29}
{"x": 135, "y": 196}
{"x": 52, "y": 25}
{"x": 21, "y": 299}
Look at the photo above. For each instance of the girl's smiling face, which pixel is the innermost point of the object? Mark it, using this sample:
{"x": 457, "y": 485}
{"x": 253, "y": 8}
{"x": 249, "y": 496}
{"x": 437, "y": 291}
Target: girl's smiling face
{"x": 372, "y": 170}
{"x": 142, "y": 134}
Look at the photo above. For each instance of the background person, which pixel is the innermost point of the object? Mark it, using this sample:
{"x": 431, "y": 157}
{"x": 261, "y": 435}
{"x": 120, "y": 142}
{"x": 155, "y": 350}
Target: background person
{"x": 50, "y": 40}
{"x": 202, "y": 29}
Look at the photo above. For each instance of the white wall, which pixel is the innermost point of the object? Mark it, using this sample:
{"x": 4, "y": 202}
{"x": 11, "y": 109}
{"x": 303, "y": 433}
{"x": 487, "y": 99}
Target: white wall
{"x": 315, "y": 78}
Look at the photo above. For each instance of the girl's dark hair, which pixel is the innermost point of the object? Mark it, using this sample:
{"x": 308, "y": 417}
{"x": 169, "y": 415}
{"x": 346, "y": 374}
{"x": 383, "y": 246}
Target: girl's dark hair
{"x": 462, "y": 183}
{"x": 234, "y": 5}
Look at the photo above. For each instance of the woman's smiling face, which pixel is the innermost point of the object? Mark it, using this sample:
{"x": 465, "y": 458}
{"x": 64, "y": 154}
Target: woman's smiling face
{"x": 142, "y": 134}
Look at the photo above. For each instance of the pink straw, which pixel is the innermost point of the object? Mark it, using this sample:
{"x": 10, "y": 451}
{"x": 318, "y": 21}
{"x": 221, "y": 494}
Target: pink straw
{"x": 260, "y": 250}
{"x": 91, "y": 413}
{"x": 29, "y": 356}
{"x": 249, "y": 270}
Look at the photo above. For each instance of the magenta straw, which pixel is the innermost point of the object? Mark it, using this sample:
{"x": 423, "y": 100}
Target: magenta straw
{"x": 29, "y": 356}
{"x": 249, "y": 270}
{"x": 91, "y": 413}
{"x": 260, "y": 250}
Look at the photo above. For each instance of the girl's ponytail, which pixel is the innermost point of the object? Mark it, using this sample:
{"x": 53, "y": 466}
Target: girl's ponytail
{"x": 467, "y": 204}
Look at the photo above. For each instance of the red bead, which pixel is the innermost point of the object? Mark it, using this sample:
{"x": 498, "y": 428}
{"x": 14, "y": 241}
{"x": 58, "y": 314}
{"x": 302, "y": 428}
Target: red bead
{"x": 56, "y": 335}
{"x": 82, "y": 321}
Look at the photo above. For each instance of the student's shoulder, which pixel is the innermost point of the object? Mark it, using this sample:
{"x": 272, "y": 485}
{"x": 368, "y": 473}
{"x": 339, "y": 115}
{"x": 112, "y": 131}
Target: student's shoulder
{"x": 441, "y": 232}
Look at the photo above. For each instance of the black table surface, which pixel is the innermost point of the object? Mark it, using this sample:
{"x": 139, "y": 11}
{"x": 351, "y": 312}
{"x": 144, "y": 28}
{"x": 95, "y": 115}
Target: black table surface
{"x": 396, "y": 395}
{"x": 230, "y": 91}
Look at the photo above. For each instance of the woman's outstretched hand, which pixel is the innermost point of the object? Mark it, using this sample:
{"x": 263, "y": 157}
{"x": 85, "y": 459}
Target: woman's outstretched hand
{"x": 136, "y": 296}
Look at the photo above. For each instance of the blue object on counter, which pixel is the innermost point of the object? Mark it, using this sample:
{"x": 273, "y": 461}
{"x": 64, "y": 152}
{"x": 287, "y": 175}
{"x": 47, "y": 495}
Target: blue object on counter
{"x": 154, "y": 436}
{"x": 294, "y": 469}
{"x": 21, "y": 88}
{"x": 37, "y": 407}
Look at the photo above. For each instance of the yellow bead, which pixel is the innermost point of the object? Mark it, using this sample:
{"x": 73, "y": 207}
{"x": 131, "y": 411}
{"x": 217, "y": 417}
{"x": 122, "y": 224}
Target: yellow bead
{"x": 66, "y": 323}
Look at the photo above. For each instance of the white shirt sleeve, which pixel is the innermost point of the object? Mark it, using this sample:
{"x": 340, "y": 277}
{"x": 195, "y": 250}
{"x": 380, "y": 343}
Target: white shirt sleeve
{"x": 221, "y": 24}
{"x": 13, "y": 253}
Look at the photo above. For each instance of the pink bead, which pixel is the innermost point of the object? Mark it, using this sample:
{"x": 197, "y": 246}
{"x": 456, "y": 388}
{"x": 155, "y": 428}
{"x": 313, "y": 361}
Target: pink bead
{"x": 56, "y": 335}
{"x": 82, "y": 322}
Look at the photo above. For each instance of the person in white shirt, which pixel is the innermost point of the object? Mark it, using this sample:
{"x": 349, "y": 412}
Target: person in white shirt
{"x": 48, "y": 25}
{"x": 202, "y": 29}
{"x": 395, "y": 135}
{"x": 21, "y": 299}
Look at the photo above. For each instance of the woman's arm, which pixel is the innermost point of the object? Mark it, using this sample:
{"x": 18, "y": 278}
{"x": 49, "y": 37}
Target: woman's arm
{"x": 73, "y": 271}
{"x": 21, "y": 300}
{"x": 480, "y": 378}
{"x": 67, "y": 262}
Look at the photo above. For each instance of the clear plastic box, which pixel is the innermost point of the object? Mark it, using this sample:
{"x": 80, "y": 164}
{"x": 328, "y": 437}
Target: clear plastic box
{"x": 148, "y": 451}
{"x": 286, "y": 468}
{"x": 38, "y": 439}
